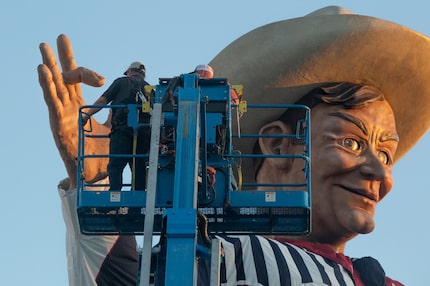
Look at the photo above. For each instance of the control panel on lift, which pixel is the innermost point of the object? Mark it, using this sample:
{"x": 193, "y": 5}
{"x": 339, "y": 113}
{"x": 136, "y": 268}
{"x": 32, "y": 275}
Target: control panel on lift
{"x": 222, "y": 195}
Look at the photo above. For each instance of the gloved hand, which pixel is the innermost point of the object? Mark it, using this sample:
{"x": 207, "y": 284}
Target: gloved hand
{"x": 63, "y": 97}
{"x": 84, "y": 119}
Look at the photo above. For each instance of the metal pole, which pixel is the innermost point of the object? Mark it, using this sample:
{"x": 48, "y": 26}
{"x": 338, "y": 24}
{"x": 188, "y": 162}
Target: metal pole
{"x": 150, "y": 196}
{"x": 133, "y": 168}
{"x": 181, "y": 230}
{"x": 215, "y": 261}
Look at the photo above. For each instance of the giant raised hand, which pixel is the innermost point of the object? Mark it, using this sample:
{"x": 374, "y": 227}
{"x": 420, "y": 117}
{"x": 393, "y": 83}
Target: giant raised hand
{"x": 63, "y": 97}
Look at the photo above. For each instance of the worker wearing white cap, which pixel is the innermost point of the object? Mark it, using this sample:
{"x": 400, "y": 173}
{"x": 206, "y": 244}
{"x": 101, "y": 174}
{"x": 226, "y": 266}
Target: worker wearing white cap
{"x": 204, "y": 71}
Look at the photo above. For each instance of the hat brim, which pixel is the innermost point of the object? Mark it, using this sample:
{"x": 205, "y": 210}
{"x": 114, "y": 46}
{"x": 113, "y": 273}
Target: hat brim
{"x": 280, "y": 62}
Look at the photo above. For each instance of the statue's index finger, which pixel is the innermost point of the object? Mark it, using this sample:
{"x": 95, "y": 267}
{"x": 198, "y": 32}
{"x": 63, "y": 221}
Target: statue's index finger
{"x": 65, "y": 53}
{"x": 48, "y": 58}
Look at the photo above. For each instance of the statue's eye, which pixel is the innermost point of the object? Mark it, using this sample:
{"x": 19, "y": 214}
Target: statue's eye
{"x": 384, "y": 157}
{"x": 350, "y": 144}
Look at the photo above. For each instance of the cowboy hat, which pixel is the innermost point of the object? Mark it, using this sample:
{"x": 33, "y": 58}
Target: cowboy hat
{"x": 282, "y": 61}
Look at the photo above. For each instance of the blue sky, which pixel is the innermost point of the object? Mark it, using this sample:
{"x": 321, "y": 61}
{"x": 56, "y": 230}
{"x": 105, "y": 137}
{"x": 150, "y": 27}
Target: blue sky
{"x": 171, "y": 37}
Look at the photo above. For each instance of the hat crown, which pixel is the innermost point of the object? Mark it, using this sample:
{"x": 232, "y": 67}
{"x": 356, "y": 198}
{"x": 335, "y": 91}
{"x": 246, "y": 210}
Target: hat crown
{"x": 204, "y": 67}
{"x": 137, "y": 65}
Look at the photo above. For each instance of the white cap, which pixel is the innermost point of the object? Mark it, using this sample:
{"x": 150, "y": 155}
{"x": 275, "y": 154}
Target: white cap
{"x": 204, "y": 68}
{"x": 136, "y": 65}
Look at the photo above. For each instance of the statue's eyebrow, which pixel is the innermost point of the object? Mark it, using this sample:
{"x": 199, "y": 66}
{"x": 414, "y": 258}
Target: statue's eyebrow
{"x": 354, "y": 120}
{"x": 357, "y": 122}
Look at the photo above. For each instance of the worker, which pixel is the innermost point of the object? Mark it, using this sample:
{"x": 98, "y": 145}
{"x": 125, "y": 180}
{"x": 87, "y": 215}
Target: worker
{"x": 125, "y": 139}
{"x": 357, "y": 121}
{"x": 204, "y": 71}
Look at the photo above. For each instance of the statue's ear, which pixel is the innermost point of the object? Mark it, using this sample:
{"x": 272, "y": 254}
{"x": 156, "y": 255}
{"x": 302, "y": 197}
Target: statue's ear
{"x": 276, "y": 145}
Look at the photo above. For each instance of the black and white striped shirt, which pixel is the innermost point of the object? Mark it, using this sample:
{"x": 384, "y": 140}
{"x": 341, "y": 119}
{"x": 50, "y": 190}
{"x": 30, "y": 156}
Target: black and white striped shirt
{"x": 256, "y": 260}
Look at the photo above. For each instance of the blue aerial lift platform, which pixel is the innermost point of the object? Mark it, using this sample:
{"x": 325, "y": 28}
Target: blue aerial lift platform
{"x": 194, "y": 178}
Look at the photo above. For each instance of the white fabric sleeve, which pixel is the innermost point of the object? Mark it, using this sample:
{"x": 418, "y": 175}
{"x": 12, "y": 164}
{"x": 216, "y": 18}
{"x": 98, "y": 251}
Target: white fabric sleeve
{"x": 85, "y": 253}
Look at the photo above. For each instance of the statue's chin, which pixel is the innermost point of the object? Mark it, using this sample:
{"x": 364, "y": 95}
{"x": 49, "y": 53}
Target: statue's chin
{"x": 358, "y": 221}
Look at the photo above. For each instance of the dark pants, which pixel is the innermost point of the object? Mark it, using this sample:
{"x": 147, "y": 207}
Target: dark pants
{"x": 121, "y": 143}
